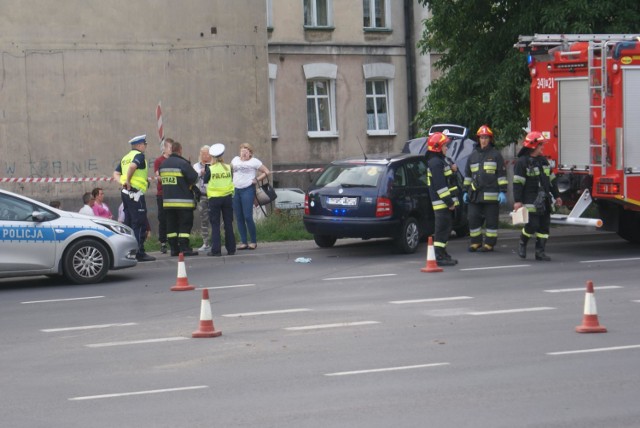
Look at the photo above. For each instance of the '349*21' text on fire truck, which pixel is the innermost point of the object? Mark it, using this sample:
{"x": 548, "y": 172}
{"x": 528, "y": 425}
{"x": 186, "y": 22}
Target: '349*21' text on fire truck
{"x": 585, "y": 99}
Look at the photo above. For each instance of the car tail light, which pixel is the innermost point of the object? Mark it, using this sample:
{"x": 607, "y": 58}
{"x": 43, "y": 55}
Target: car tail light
{"x": 306, "y": 203}
{"x": 383, "y": 207}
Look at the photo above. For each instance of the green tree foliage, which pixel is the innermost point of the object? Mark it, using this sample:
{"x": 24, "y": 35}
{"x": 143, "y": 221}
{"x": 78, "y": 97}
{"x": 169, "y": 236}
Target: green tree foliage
{"x": 485, "y": 80}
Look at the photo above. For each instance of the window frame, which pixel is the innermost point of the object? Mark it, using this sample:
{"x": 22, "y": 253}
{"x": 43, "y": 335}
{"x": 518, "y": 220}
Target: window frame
{"x": 322, "y": 72}
{"x": 273, "y": 72}
{"x": 313, "y": 4}
{"x": 378, "y": 72}
{"x": 372, "y": 17}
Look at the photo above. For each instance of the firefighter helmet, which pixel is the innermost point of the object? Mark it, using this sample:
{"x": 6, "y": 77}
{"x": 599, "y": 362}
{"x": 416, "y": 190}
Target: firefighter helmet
{"x": 533, "y": 140}
{"x": 436, "y": 142}
{"x": 484, "y": 130}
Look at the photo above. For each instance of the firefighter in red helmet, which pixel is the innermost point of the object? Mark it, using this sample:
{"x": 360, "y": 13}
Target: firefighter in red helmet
{"x": 485, "y": 187}
{"x": 443, "y": 201}
{"x": 533, "y": 186}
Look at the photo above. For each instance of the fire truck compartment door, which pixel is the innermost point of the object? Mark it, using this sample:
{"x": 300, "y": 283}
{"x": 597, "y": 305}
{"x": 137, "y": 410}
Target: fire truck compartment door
{"x": 631, "y": 116}
{"x": 573, "y": 123}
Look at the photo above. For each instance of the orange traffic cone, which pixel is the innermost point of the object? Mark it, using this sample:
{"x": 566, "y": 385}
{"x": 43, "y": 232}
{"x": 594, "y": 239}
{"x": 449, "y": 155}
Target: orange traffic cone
{"x": 206, "y": 321}
{"x": 590, "y": 322}
{"x": 182, "y": 283}
{"x": 432, "y": 265}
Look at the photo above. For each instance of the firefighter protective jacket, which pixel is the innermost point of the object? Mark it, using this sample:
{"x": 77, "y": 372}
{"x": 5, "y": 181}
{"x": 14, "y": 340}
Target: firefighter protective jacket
{"x": 530, "y": 174}
{"x": 177, "y": 177}
{"x": 485, "y": 175}
{"x": 437, "y": 169}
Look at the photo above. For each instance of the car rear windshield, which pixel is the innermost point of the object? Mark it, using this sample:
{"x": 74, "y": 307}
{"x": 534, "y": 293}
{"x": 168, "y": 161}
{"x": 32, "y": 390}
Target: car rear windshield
{"x": 360, "y": 175}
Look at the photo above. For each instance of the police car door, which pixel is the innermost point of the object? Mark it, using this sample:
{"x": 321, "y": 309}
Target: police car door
{"x": 26, "y": 245}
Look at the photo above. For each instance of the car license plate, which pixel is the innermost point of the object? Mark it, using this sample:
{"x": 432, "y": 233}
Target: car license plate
{"x": 344, "y": 201}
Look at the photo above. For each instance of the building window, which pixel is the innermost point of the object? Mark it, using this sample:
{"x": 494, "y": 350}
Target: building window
{"x": 273, "y": 69}
{"x": 321, "y": 99}
{"x": 317, "y": 13}
{"x": 379, "y": 98}
{"x": 269, "y": 13}
{"x": 376, "y": 13}
{"x": 377, "y": 106}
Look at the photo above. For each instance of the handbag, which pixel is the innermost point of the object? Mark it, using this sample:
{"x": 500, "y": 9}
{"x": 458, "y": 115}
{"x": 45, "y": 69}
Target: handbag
{"x": 265, "y": 193}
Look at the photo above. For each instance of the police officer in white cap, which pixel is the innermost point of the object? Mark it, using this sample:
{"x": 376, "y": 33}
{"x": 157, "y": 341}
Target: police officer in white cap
{"x": 220, "y": 193}
{"x": 132, "y": 173}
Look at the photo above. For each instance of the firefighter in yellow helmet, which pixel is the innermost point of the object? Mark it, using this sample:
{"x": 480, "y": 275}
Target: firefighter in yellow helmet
{"x": 533, "y": 183}
{"x": 485, "y": 187}
{"x": 443, "y": 201}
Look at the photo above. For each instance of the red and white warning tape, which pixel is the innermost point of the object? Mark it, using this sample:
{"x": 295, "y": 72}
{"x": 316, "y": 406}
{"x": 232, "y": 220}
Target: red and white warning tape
{"x": 108, "y": 179}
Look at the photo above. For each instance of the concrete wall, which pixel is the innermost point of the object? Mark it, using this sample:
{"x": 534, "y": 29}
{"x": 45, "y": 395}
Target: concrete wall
{"x": 81, "y": 77}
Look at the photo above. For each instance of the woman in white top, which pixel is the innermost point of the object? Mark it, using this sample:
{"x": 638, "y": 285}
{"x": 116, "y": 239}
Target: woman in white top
{"x": 247, "y": 171}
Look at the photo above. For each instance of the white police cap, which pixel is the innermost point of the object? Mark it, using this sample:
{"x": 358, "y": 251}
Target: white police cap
{"x": 216, "y": 150}
{"x": 139, "y": 139}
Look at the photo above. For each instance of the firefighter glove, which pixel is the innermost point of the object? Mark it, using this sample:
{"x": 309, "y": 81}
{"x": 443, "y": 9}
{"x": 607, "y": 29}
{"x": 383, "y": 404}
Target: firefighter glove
{"x": 502, "y": 198}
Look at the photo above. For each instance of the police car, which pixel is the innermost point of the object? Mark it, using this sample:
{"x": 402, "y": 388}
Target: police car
{"x": 36, "y": 239}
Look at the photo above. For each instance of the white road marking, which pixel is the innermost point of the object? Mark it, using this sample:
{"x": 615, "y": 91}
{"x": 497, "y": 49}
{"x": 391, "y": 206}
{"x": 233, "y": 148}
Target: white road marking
{"x": 438, "y": 299}
{"x": 636, "y": 301}
{"x": 126, "y": 394}
{"x": 511, "y": 311}
{"x": 251, "y": 314}
{"x": 226, "y": 286}
{"x": 341, "y": 324}
{"x": 387, "y": 369}
{"x": 567, "y": 290}
{"x": 610, "y": 260}
{"x": 87, "y": 327}
{"x": 584, "y": 351}
{"x": 495, "y": 267}
{"x": 359, "y": 277}
{"x": 62, "y": 300}
{"x": 135, "y": 342}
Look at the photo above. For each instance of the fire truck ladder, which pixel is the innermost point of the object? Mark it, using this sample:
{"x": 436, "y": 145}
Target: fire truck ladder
{"x": 597, "y": 66}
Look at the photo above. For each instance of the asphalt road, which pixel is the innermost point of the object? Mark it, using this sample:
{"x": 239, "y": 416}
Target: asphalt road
{"x": 357, "y": 337}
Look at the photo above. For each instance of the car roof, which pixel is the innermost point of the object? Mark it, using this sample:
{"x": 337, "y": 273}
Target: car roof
{"x": 375, "y": 159}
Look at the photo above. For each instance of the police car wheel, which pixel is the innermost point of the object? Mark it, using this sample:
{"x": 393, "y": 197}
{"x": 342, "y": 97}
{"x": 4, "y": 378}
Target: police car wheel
{"x": 409, "y": 236}
{"x": 86, "y": 262}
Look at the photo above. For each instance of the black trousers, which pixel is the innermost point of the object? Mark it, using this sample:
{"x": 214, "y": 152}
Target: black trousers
{"x": 162, "y": 221}
{"x": 538, "y": 225}
{"x": 179, "y": 223}
{"x": 217, "y": 207}
{"x": 443, "y": 225}
{"x": 135, "y": 215}
{"x": 486, "y": 215}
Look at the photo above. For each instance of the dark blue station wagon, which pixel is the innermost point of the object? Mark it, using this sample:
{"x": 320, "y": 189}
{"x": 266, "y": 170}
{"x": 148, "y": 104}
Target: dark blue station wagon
{"x": 374, "y": 197}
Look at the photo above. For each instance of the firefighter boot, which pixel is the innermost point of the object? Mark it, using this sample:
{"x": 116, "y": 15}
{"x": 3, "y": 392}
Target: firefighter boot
{"x": 185, "y": 249}
{"x": 173, "y": 245}
{"x": 522, "y": 246}
{"x": 448, "y": 257}
{"x": 441, "y": 258}
{"x": 540, "y": 255}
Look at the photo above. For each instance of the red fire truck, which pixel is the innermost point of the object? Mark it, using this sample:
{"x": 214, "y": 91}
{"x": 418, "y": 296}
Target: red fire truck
{"x": 585, "y": 98}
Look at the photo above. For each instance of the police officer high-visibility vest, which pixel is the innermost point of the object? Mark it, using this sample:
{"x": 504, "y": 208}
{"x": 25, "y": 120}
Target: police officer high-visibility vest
{"x": 220, "y": 184}
{"x": 139, "y": 177}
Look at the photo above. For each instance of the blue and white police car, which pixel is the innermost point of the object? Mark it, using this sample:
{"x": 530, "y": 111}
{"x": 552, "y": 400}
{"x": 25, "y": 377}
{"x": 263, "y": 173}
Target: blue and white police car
{"x": 36, "y": 239}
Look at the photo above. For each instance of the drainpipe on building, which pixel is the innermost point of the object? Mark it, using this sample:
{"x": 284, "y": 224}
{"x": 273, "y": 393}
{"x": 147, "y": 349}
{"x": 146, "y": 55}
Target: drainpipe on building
{"x": 410, "y": 48}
